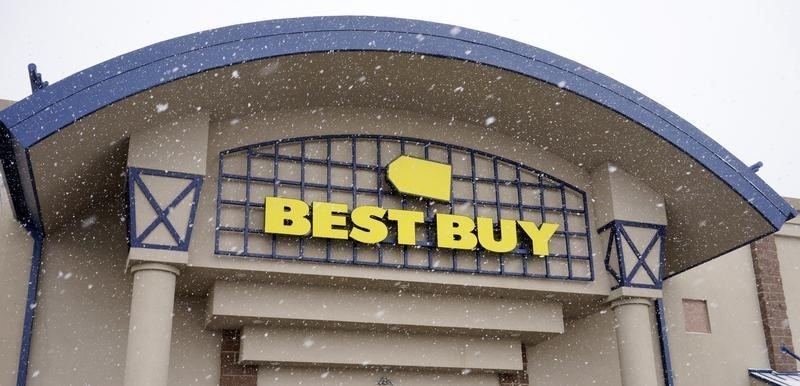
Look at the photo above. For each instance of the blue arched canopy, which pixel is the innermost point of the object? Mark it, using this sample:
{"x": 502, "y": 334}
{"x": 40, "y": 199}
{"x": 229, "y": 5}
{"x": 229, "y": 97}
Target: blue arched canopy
{"x": 57, "y": 106}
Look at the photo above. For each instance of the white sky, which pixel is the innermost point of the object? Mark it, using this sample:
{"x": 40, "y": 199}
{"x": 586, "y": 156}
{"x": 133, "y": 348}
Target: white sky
{"x": 731, "y": 68}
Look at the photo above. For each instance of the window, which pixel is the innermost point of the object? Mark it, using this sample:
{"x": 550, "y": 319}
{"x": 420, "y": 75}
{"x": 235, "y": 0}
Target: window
{"x": 695, "y": 316}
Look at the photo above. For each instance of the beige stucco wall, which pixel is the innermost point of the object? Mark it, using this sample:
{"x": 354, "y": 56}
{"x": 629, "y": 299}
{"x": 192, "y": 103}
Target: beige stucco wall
{"x": 81, "y": 321}
{"x": 736, "y": 341}
{"x": 585, "y": 354}
{"x": 621, "y": 196}
{"x": 81, "y": 327}
{"x": 16, "y": 248}
{"x": 336, "y": 346}
{"x": 234, "y": 302}
{"x": 194, "y": 354}
{"x": 324, "y": 376}
{"x": 177, "y": 144}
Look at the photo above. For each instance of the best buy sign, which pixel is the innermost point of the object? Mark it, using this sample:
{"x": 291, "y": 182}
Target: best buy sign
{"x": 369, "y": 224}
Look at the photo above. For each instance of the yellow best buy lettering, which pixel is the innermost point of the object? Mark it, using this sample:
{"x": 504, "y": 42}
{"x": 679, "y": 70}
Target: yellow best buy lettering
{"x": 370, "y": 225}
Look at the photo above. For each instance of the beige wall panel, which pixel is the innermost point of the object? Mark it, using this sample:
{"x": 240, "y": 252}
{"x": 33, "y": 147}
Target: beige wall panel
{"x": 789, "y": 257}
{"x": 309, "y": 303}
{"x": 286, "y": 376}
{"x": 194, "y": 355}
{"x": 621, "y": 196}
{"x": 16, "y": 248}
{"x": 736, "y": 341}
{"x": 177, "y": 144}
{"x": 585, "y": 354}
{"x": 81, "y": 326}
{"x": 263, "y": 344}
{"x": 321, "y": 376}
{"x": 233, "y": 131}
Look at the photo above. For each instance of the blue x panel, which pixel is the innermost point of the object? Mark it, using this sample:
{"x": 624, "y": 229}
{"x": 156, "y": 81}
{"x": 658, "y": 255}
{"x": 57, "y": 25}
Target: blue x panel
{"x": 180, "y": 233}
{"x": 619, "y": 238}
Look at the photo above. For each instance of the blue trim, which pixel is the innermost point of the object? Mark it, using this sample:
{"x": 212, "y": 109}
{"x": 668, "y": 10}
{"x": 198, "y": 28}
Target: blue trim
{"x": 19, "y": 180}
{"x": 16, "y": 167}
{"x": 58, "y": 105}
{"x": 30, "y": 305}
{"x": 663, "y": 340}
{"x": 137, "y": 238}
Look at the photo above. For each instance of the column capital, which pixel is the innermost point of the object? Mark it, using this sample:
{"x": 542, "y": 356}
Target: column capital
{"x": 138, "y": 255}
{"x": 626, "y": 300}
{"x": 645, "y": 294}
{"x": 155, "y": 266}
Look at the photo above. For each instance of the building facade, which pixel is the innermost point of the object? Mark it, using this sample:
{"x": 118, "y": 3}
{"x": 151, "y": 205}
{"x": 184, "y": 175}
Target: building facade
{"x": 374, "y": 201}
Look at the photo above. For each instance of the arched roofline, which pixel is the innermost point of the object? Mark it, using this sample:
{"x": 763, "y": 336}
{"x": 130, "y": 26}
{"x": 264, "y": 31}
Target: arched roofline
{"x": 31, "y": 120}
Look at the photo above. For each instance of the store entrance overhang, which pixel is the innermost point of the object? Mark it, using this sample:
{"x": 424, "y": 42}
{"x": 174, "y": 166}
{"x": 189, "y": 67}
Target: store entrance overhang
{"x": 70, "y": 137}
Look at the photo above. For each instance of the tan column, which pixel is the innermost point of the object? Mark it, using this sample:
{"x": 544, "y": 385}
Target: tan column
{"x": 635, "y": 341}
{"x": 150, "y": 330}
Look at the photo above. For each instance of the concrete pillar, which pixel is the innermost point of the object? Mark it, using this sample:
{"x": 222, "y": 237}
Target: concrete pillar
{"x": 150, "y": 329}
{"x": 634, "y": 222}
{"x": 166, "y": 168}
{"x": 635, "y": 341}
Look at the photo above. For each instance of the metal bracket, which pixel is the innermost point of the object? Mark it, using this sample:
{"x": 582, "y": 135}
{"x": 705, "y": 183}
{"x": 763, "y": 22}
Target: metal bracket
{"x": 35, "y": 78}
{"x": 357, "y": 172}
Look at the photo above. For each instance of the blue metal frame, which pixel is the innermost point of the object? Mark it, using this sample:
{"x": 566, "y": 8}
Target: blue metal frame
{"x": 136, "y": 238}
{"x": 618, "y": 235}
{"x": 30, "y": 306}
{"x": 20, "y": 183}
{"x": 663, "y": 340}
{"x": 57, "y": 106}
{"x": 544, "y": 182}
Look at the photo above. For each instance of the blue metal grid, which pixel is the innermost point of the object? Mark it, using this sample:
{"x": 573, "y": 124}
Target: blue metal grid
{"x": 181, "y": 238}
{"x": 354, "y": 169}
{"x": 625, "y": 275}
